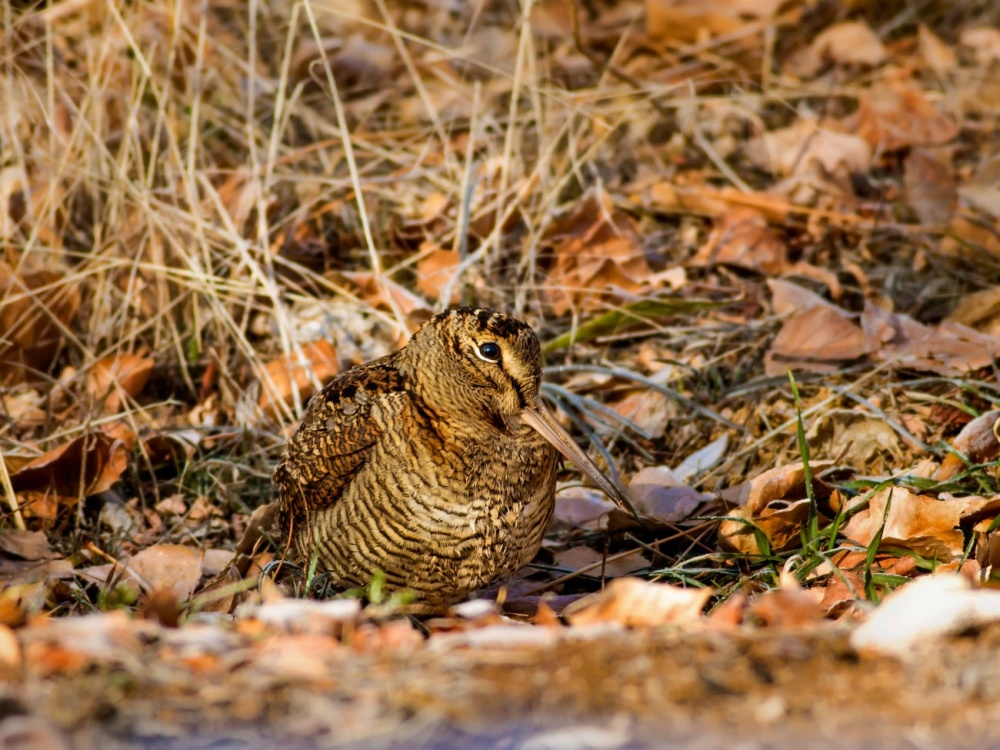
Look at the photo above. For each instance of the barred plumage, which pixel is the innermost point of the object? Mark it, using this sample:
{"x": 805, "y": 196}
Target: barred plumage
{"x": 436, "y": 464}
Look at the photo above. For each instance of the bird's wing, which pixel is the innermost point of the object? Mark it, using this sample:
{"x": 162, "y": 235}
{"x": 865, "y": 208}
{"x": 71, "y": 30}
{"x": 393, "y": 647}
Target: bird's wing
{"x": 336, "y": 436}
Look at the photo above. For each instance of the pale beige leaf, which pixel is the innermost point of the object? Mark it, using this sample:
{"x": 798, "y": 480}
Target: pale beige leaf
{"x": 633, "y": 602}
{"x": 168, "y": 567}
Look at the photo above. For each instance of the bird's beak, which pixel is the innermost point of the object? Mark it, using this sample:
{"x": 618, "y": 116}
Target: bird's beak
{"x": 542, "y": 420}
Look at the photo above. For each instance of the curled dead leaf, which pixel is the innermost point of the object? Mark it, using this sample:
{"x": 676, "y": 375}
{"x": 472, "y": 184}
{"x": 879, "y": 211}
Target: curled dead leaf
{"x": 86, "y": 466}
{"x": 977, "y": 443}
{"x": 118, "y": 374}
{"x": 921, "y": 523}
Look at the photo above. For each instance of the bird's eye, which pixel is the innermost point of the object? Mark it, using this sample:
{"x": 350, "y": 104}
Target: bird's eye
{"x": 490, "y": 352}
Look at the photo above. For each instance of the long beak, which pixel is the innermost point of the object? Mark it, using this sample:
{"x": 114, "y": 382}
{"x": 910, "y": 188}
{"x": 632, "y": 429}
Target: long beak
{"x": 541, "y": 419}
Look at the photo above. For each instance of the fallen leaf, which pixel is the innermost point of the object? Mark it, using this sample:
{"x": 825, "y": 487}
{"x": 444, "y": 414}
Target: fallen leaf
{"x": 980, "y": 311}
{"x": 647, "y": 409}
{"x": 702, "y": 459}
{"x": 896, "y": 116}
{"x": 577, "y": 558}
{"x": 743, "y": 238}
{"x": 33, "y": 306}
{"x": 305, "y": 616}
{"x": 809, "y": 149}
{"x": 977, "y": 443}
{"x": 984, "y": 41}
{"x": 851, "y": 437}
{"x": 948, "y": 349}
{"x": 982, "y": 190}
{"x": 582, "y": 506}
{"x": 921, "y": 523}
{"x": 435, "y": 272}
{"x": 26, "y": 545}
{"x": 929, "y": 187}
{"x": 633, "y": 602}
{"x": 657, "y": 494}
{"x": 939, "y": 56}
{"x": 781, "y": 522}
{"x": 116, "y": 374}
{"x": 598, "y": 256}
{"x": 788, "y": 606}
{"x": 820, "y": 339}
{"x": 848, "y": 43}
{"x": 302, "y": 371}
{"x": 779, "y": 483}
{"x": 86, "y": 466}
{"x": 10, "y": 650}
{"x": 168, "y": 567}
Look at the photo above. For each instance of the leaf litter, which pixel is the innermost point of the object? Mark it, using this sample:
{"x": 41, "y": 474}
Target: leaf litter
{"x": 687, "y": 201}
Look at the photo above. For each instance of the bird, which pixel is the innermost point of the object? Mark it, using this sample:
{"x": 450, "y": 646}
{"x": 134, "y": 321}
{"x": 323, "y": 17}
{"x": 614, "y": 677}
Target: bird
{"x": 434, "y": 466}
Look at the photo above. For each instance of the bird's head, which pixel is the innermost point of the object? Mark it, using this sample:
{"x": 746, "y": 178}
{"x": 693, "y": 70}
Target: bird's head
{"x": 479, "y": 366}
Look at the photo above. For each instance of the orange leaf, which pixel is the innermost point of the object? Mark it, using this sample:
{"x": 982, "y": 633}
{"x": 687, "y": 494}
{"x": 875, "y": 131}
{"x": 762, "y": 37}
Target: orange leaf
{"x": 435, "y": 271}
{"x": 116, "y": 374}
{"x": 317, "y": 364}
{"x": 86, "y": 466}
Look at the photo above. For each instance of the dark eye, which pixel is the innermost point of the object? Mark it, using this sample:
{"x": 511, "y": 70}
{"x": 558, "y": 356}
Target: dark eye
{"x": 489, "y": 351}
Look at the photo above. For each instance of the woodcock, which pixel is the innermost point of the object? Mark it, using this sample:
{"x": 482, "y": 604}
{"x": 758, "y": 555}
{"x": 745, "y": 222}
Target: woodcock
{"x": 436, "y": 465}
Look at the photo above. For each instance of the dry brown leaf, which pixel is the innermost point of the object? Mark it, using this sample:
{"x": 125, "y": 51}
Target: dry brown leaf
{"x": 970, "y": 235}
{"x": 779, "y": 483}
{"x": 980, "y": 311}
{"x": 687, "y": 21}
{"x": 982, "y": 190}
{"x": 384, "y": 293}
{"x": 633, "y": 602}
{"x": 948, "y": 349}
{"x": 807, "y": 149}
{"x": 647, "y": 409}
{"x": 33, "y": 306}
{"x": 743, "y": 238}
{"x": 929, "y": 187}
{"x": 984, "y": 41}
{"x": 435, "y": 271}
{"x": 927, "y": 608}
{"x": 303, "y": 373}
{"x": 86, "y": 466}
{"x": 168, "y": 567}
{"x": 921, "y": 523}
{"x": 977, "y": 443}
{"x": 821, "y": 339}
{"x": 852, "y": 438}
{"x": 788, "y": 606}
{"x": 598, "y": 256}
{"x": 117, "y": 373}
{"x": 582, "y": 506}
{"x": 895, "y": 116}
{"x": 656, "y": 493}
{"x": 599, "y": 564}
{"x": 939, "y": 56}
{"x": 26, "y": 545}
{"x": 10, "y": 650}
{"x": 841, "y": 593}
{"x": 781, "y": 523}
{"x": 787, "y": 297}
